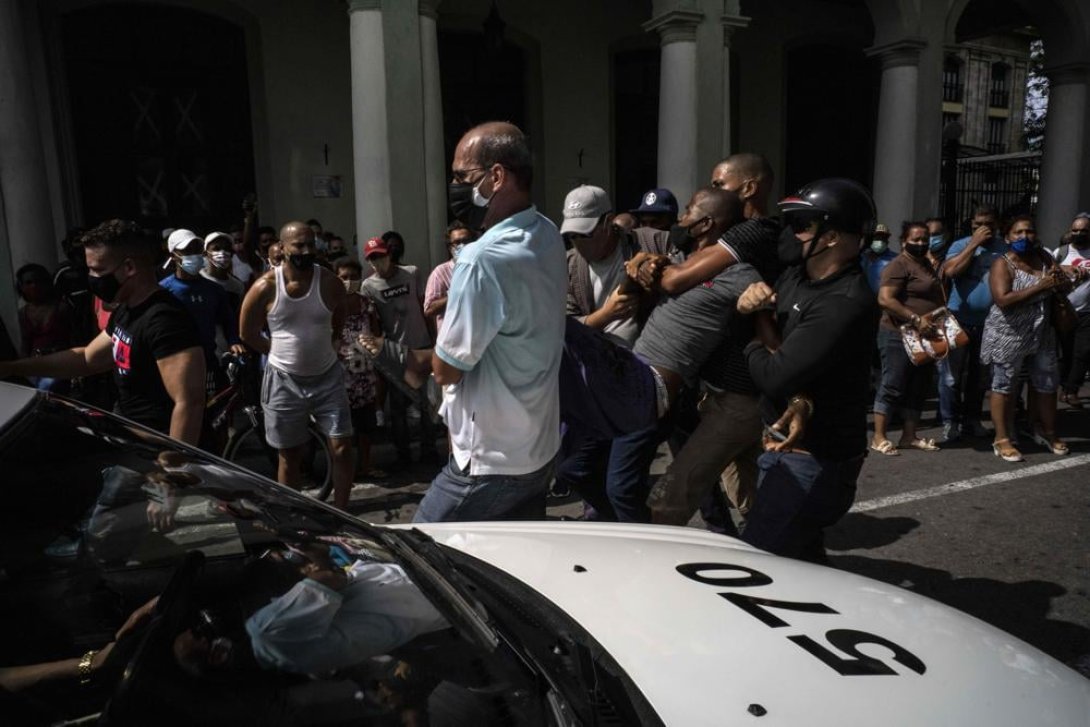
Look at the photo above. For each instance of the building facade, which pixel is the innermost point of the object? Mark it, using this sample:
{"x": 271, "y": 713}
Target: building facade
{"x": 173, "y": 110}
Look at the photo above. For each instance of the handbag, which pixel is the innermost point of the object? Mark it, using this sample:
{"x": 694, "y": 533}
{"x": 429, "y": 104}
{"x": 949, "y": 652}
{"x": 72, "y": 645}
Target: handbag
{"x": 945, "y": 334}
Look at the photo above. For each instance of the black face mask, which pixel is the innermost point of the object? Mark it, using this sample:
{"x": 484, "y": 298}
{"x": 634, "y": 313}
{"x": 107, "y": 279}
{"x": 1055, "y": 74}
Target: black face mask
{"x": 918, "y": 251}
{"x": 302, "y": 261}
{"x": 460, "y": 202}
{"x": 681, "y": 238}
{"x": 104, "y": 287}
{"x": 789, "y": 249}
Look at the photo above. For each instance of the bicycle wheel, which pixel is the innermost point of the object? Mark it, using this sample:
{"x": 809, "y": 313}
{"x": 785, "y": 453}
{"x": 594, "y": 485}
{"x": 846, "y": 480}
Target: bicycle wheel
{"x": 249, "y": 449}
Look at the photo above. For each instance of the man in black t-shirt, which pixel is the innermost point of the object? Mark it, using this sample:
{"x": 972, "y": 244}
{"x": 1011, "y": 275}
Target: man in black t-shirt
{"x": 815, "y": 335}
{"x": 150, "y": 341}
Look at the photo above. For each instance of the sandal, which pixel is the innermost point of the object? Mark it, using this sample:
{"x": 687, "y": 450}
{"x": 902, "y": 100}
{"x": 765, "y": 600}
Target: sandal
{"x": 921, "y": 443}
{"x": 885, "y": 447}
{"x": 1006, "y": 453}
{"x": 1049, "y": 441}
{"x": 1071, "y": 399}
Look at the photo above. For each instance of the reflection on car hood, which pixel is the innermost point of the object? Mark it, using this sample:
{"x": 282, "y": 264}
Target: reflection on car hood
{"x": 707, "y": 654}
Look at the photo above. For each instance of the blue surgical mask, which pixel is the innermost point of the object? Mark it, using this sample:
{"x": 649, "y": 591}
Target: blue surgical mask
{"x": 192, "y": 264}
{"x": 1021, "y": 246}
{"x": 936, "y": 242}
{"x": 879, "y": 246}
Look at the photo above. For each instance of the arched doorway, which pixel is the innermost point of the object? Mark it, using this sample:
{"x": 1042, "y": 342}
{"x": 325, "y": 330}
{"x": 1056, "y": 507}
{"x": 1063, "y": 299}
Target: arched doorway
{"x": 160, "y": 110}
{"x": 831, "y": 109}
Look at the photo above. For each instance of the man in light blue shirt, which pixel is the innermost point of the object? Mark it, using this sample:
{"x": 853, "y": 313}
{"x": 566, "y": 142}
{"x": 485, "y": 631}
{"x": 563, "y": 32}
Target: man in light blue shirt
{"x": 961, "y": 379}
{"x": 875, "y": 258}
{"x": 498, "y": 351}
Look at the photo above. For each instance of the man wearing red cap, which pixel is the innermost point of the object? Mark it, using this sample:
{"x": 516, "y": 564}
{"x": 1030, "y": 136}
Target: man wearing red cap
{"x": 400, "y": 304}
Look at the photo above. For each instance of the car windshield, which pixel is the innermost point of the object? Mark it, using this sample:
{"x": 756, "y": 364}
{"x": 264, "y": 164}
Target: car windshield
{"x": 146, "y": 582}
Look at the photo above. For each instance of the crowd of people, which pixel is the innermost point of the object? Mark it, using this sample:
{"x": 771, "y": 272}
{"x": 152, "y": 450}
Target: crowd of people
{"x": 754, "y": 340}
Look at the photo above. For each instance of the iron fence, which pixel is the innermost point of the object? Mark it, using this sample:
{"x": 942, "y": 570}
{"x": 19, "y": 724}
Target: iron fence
{"x": 1008, "y": 182}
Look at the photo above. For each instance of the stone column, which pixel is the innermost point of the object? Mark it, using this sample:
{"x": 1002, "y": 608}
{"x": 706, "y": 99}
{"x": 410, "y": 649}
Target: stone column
{"x": 24, "y": 187}
{"x": 26, "y": 235}
{"x": 1065, "y": 150}
{"x": 370, "y": 147}
{"x": 677, "y": 158}
{"x": 895, "y": 147}
{"x": 731, "y": 23}
{"x": 435, "y": 173}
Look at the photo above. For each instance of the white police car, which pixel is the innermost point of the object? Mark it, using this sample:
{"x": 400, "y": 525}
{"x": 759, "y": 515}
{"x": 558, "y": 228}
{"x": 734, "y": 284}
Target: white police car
{"x": 144, "y": 582}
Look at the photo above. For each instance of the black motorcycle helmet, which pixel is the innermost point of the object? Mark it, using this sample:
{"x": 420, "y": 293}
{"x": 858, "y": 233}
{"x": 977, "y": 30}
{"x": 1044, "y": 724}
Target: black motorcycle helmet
{"x": 836, "y": 203}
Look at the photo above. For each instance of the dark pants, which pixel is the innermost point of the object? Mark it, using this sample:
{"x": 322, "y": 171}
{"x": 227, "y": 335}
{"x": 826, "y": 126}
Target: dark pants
{"x": 1076, "y": 356}
{"x": 902, "y": 385}
{"x": 611, "y": 475}
{"x": 798, "y": 496}
{"x": 399, "y": 427}
{"x": 457, "y": 496}
{"x": 963, "y": 380}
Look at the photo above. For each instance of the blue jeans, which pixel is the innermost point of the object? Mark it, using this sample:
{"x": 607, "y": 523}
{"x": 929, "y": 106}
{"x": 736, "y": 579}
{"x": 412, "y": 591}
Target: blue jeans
{"x": 611, "y": 475}
{"x": 903, "y": 385}
{"x": 961, "y": 380}
{"x": 798, "y": 496}
{"x": 457, "y": 496}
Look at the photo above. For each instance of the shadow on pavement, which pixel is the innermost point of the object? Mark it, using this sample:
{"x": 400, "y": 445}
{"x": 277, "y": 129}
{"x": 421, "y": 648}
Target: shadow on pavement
{"x": 1020, "y": 608}
{"x": 860, "y": 530}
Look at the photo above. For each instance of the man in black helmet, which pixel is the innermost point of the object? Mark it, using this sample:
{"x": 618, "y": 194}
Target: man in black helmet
{"x": 811, "y": 360}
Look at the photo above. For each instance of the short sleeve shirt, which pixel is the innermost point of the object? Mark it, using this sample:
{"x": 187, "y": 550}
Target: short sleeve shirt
{"x": 504, "y": 328}
{"x": 1076, "y": 258}
{"x": 915, "y": 285}
{"x": 157, "y": 328}
{"x": 438, "y": 286}
{"x": 971, "y": 294}
{"x": 399, "y": 301}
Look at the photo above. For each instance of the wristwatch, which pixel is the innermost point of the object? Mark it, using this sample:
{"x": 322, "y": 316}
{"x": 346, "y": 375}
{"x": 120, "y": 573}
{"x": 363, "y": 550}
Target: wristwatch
{"x": 84, "y": 668}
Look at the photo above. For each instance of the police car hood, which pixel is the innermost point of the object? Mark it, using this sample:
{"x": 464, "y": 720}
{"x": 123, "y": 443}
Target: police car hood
{"x": 715, "y": 632}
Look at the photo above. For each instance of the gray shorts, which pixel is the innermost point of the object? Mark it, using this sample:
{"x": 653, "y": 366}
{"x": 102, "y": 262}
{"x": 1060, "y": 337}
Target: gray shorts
{"x": 289, "y": 401}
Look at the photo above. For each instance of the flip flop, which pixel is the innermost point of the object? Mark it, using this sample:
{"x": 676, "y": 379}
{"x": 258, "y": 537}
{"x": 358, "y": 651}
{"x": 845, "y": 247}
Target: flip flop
{"x": 885, "y": 447}
{"x": 922, "y": 444}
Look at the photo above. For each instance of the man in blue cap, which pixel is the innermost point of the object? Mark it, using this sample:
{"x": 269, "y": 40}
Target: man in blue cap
{"x": 658, "y": 209}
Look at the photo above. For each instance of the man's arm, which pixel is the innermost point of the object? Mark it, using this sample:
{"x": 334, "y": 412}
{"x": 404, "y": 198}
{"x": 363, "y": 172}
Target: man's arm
{"x": 700, "y": 266}
{"x": 94, "y": 358}
{"x": 255, "y": 311}
{"x": 183, "y": 376}
{"x": 807, "y": 352}
{"x": 337, "y": 298}
{"x": 955, "y": 266}
{"x": 444, "y": 373}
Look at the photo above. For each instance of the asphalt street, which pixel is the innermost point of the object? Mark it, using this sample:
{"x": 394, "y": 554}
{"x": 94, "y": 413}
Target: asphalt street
{"x": 1007, "y": 543}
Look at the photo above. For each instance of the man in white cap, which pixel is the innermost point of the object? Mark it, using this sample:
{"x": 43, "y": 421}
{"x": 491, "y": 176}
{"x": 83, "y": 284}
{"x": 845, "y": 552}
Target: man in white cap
{"x": 206, "y": 302}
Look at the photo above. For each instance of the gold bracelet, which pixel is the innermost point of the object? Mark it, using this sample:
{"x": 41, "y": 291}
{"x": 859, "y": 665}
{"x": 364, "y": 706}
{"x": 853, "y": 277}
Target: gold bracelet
{"x": 84, "y": 668}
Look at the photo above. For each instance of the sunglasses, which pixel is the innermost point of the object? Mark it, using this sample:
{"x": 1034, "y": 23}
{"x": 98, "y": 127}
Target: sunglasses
{"x": 804, "y": 222}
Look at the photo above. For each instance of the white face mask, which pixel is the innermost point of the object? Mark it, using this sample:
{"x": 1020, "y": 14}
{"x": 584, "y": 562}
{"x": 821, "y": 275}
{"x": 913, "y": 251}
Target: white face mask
{"x": 479, "y": 199}
{"x": 455, "y": 250}
{"x": 220, "y": 259}
{"x": 353, "y": 286}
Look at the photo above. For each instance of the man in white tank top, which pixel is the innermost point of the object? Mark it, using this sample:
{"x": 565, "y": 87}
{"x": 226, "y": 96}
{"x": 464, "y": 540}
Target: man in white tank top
{"x": 303, "y": 305}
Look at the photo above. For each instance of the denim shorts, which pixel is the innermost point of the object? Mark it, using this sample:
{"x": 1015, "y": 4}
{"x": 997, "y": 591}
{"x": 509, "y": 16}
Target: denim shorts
{"x": 1044, "y": 375}
{"x": 289, "y": 401}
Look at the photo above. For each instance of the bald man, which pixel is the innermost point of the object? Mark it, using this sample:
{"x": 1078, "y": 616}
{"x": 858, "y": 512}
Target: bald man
{"x": 303, "y": 305}
{"x": 498, "y": 351}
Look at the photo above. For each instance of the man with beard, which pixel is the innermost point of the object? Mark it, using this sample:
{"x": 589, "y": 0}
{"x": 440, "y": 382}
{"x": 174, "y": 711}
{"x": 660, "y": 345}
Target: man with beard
{"x": 150, "y": 341}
